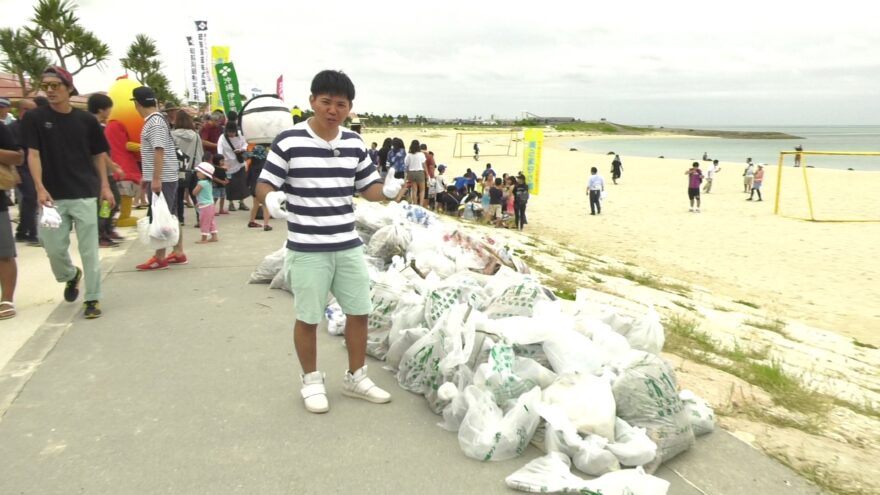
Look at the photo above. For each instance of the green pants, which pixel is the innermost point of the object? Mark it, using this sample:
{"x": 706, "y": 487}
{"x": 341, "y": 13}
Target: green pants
{"x": 82, "y": 215}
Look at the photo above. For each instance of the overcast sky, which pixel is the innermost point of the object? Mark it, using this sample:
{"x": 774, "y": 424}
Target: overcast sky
{"x": 663, "y": 63}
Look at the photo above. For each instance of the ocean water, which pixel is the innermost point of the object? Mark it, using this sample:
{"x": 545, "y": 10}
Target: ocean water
{"x": 836, "y": 138}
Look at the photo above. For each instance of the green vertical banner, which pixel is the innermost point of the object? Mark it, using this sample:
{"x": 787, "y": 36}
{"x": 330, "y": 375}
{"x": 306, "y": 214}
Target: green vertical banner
{"x": 228, "y": 83}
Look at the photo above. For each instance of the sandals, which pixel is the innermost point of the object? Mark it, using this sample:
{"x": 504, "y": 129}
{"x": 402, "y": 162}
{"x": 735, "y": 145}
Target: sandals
{"x": 267, "y": 228}
{"x": 254, "y": 225}
{"x": 7, "y": 310}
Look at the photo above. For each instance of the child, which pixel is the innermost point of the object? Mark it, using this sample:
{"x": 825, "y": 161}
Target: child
{"x": 205, "y": 197}
{"x": 220, "y": 182}
{"x": 492, "y": 212}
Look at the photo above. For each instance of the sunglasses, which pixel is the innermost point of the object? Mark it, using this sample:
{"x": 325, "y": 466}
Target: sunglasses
{"x": 52, "y": 85}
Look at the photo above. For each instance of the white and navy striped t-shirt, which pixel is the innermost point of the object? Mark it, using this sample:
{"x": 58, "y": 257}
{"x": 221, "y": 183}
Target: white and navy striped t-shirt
{"x": 157, "y": 134}
{"x": 319, "y": 178}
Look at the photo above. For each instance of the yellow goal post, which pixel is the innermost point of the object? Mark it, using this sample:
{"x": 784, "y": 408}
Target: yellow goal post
{"x": 800, "y": 161}
{"x": 492, "y": 143}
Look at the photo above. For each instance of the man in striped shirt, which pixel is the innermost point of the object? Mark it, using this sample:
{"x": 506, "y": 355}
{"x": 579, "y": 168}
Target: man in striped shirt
{"x": 319, "y": 165}
{"x": 159, "y": 164}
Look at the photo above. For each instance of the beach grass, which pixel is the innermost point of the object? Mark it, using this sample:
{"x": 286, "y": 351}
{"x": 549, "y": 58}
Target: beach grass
{"x": 552, "y": 251}
{"x": 596, "y": 279}
{"x": 534, "y": 264}
{"x": 862, "y": 344}
{"x": 722, "y": 308}
{"x": 645, "y": 279}
{"x": 578, "y": 266}
{"x": 687, "y": 306}
{"x": 684, "y": 339}
{"x": 775, "y": 325}
{"x": 747, "y": 303}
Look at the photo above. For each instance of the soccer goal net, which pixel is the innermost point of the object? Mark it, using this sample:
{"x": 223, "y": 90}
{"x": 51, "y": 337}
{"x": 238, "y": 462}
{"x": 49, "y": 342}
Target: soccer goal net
{"x": 828, "y": 186}
{"x": 490, "y": 143}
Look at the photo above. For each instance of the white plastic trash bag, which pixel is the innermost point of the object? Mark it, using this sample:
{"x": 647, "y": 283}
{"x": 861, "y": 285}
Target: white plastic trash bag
{"x": 592, "y": 458}
{"x": 269, "y": 267}
{"x": 548, "y": 474}
{"x": 335, "y": 319}
{"x": 389, "y": 241}
{"x": 403, "y": 341}
{"x": 631, "y": 446}
{"x": 587, "y": 401}
{"x": 646, "y": 394}
{"x": 488, "y": 435}
{"x": 647, "y": 333}
{"x": 628, "y": 482}
{"x": 455, "y": 411}
{"x": 571, "y": 352}
{"x": 392, "y": 187}
{"x": 699, "y": 411}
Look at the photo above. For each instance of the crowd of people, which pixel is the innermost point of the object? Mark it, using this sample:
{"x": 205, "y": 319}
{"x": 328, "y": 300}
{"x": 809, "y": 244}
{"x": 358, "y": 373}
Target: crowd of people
{"x": 81, "y": 167}
{"x": 499, "y": 201}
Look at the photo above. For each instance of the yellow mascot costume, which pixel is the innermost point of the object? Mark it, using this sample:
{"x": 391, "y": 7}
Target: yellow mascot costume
{"x": 123, "y": 133}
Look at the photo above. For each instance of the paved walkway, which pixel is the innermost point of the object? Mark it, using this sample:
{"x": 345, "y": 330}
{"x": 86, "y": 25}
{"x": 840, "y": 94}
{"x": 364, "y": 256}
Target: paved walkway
{"x": 188, "y": 384}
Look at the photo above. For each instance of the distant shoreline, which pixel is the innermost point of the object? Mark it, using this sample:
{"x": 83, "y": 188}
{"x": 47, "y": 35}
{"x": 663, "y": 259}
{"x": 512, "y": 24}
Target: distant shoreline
{"x": 730, "y": 134}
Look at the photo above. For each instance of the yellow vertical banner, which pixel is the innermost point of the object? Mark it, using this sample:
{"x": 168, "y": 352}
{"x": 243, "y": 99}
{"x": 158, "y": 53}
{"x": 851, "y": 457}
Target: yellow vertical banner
{"x": 219, "y": 55}
{"x": 533, "y": 141}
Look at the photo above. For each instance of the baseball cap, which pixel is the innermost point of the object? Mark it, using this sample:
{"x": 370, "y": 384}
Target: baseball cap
{"x": 145, "y": 96}
{"x": 441, "y": 167}
{"x": 61, "y": 73}
{"x": 5, "y": 103}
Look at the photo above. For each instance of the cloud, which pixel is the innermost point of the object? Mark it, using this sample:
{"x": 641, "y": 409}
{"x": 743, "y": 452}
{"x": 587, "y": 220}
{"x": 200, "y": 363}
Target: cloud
{"x": 731, "y": 63}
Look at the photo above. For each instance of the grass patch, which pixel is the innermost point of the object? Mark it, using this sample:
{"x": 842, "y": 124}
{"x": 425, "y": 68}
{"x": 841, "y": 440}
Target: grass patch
{"x": 747, "y": 303}
{"x": 687, "y": 306}
{"x": 629, "y": 263}
{"x": 534, "y": 264}
{"x": 646, "y": 280}
{"x": 722, "y": 308}
{"x": 578, "y": 266}
{"x": 776, "y": 325}
{"x": 862, "y": 344}
{"x": 564, "y": 294}
{"x": 552, "y": 251}
{"x": 596, "y": 279}
{"x": 785, "y": 390}
{"x": 530, "y": 244}
{"x": 867, "y": 409}
{"x": 565, "y": 287}
{"x": 683, "y": 339}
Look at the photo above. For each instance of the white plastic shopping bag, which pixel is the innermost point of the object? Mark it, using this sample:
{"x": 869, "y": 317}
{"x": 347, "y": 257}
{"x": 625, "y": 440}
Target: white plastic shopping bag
{"x": 164, "y": 228}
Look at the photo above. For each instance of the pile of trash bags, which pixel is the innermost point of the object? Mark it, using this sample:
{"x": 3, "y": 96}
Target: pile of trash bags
{"x": 506, "y": 364}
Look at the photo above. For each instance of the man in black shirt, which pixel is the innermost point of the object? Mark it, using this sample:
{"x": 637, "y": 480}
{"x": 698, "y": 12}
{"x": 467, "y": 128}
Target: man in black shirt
{"x": 10, "y": 156}
{"x": 66, "y": 149}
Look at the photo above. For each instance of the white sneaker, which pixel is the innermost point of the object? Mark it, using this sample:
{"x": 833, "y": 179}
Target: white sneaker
{"x": 360, "y": 386}
{"x": 697, "y": 210}
{"x": 313, "y": 392}
{"x": 691, "y": 210}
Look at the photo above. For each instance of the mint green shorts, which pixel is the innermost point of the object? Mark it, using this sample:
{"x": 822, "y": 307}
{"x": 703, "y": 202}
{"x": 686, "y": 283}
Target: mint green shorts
{"x": 313, "y": 276}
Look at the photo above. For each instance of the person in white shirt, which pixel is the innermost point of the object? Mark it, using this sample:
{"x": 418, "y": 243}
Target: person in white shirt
{"x": 748, "y": 176}
{"x": 415, "y": 173}
{"x": 710, "y": 176}
{"x": 594, "y": 189}
{"x": 232, "y": 146}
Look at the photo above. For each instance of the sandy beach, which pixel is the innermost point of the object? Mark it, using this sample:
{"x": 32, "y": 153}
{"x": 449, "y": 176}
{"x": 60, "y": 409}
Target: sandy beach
{"x": 823, "y": 274}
